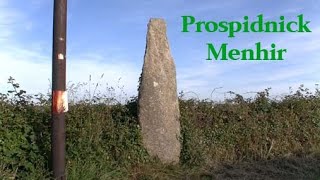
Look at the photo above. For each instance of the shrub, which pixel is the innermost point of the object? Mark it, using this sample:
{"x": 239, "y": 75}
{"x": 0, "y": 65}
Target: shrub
{"x": 104, "y": 141}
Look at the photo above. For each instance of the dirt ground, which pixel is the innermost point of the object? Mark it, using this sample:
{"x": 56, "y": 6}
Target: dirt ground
{"x": 293, "y": 168}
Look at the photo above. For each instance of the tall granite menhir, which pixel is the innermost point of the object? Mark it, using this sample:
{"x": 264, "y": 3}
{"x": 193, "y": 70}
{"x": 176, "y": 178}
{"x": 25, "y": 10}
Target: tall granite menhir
{"x": 158, "y": 105}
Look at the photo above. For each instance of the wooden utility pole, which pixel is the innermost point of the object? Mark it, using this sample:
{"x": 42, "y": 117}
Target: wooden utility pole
{"x": 59, "y": 96}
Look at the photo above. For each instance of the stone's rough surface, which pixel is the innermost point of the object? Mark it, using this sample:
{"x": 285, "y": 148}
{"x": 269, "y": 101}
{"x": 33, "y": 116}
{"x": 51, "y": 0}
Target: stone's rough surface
{"x": 158, "y": 100}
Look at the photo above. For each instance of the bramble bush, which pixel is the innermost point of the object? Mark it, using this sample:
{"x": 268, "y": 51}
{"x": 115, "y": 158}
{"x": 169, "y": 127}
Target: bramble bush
{"x": 104, "y": 141}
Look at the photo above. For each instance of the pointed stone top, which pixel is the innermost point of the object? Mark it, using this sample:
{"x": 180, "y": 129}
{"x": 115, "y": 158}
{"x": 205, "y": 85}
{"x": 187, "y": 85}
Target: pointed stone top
{"x": 157, "y": 24}
{"x": 157, "y": 20}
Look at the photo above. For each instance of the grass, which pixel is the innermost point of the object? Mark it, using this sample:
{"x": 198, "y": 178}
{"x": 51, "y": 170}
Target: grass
{"x": 258, "y": 138}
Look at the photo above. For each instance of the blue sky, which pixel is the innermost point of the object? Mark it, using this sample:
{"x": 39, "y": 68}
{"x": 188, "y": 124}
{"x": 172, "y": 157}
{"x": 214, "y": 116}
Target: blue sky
{"x": 108, "y": 37}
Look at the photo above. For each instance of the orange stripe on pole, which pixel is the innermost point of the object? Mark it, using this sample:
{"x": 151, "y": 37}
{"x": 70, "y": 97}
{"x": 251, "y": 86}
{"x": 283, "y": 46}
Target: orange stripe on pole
{"x": 59, "y": 102}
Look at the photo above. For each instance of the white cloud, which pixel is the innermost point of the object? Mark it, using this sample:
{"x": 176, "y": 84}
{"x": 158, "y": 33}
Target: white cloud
{"x": 32, "y": 70}
{"x": 12, "y": 21}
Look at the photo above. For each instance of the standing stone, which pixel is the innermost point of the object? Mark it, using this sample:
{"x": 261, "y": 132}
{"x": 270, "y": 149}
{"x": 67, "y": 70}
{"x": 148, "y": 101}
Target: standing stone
{"x": 158, "y": 100}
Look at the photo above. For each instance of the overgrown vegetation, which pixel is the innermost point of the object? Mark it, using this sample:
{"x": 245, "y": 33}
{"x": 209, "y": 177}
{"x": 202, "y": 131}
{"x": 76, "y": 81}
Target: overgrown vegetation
{"x": 104, "y": 142}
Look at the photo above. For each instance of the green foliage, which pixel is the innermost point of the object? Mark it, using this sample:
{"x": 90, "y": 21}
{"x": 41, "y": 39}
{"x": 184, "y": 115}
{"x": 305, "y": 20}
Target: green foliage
{"x": 20, "y": 151}
{"x": 104, "y": 141}
{"x": 250, "y": 129}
